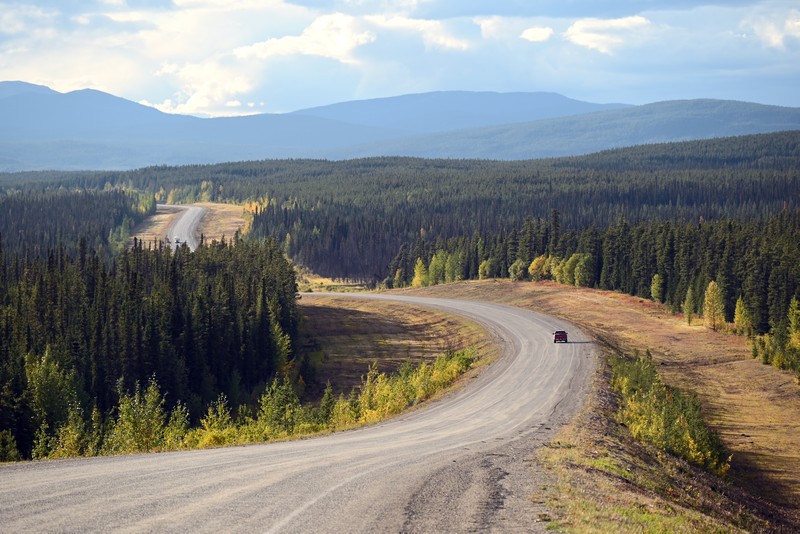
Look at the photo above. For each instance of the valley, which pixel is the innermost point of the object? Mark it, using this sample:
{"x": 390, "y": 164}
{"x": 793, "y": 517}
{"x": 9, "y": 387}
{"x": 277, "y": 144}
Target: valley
{"x": 718, "y": 366}
{"x": 402, "y": 266}
{"x": 217, "y": 346}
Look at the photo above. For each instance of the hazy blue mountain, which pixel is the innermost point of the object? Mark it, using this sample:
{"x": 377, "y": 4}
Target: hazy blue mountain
{"x": 455, "y": 110}
{"x": 16, "y": 88}
{"x": 44, "y": 129}
{"x": 677, "y": 120}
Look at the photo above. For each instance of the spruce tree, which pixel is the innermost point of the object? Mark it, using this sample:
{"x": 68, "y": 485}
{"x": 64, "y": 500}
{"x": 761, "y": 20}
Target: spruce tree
{"x": 657, "y": 288}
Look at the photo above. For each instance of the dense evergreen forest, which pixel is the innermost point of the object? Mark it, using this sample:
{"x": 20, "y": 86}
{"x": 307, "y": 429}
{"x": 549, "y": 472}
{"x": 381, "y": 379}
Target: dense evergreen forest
{"x": 756, "y": 260}
{"x": 347, "y": 219}
{"x": 37, "y": 220}
{"x": 85, "y": 320}
{"x": 74, "y": 329}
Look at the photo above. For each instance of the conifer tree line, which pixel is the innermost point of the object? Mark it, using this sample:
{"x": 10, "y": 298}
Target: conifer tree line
{"x": 347, "y": 219}
{"x": 77, "y": 331}
{"x": 750, "y": 266}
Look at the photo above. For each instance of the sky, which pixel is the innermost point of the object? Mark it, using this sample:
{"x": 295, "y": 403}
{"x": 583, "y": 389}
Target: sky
{"x": 235, "y": 57}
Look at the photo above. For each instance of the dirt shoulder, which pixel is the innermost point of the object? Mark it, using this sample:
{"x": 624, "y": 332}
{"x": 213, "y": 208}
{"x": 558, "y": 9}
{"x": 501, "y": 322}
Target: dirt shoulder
{"x": 221, "y": 220}
{"x": 754, "y": 407}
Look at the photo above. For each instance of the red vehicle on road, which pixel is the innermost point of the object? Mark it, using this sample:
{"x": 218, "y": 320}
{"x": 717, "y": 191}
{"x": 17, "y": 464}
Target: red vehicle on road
{"x": 559, "y": 335}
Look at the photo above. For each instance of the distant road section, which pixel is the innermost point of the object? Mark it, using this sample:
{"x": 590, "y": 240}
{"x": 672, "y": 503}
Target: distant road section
{"x": 464, "y": 463}
{"x": 184, "y": 228}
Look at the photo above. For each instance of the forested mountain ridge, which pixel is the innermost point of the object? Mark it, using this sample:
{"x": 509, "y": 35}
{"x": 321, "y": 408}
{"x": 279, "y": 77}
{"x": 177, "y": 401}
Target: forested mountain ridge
{"x": 44, "y": 129}
{"x": 659, "y": 122}
{"x": 348, "y": 218}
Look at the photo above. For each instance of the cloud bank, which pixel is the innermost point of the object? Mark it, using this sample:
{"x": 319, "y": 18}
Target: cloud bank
{"x": 218, "y": 57}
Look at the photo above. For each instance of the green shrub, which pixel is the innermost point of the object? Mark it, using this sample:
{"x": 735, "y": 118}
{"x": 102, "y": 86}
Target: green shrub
{"x": 8, "y": 447}
{"x": 665, "y": 417}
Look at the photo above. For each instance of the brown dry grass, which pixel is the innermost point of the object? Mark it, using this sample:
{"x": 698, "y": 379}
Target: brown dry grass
{"x": 754, "y": 407}
{"x": 347, "y": 335}
{"x": 308, "y": 281}
{"x": 221, "y": 220}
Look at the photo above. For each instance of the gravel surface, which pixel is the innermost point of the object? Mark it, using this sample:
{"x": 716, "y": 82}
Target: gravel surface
{"x": 461, "y": 464}
{"x": 183, "y": 229}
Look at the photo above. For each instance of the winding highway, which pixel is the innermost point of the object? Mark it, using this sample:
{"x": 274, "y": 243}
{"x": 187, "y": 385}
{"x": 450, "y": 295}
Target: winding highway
{"x": 462, "y": 463}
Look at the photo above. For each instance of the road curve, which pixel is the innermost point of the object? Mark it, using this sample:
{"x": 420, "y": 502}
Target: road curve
{"x": 184, "y": 228}
{"x": 463, "y": 463}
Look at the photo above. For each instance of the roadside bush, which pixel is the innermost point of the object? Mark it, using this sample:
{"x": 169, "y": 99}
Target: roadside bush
{"x": 139, "y": 425}
{"x": 665, "y": 417}
{"x": 142, "y": 425}
{"x": 8, "y": 447}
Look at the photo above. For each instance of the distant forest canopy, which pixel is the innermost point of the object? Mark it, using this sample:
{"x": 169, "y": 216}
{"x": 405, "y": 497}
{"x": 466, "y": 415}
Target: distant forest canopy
{"x": 35, "y": 221}
{"x": 348, "y": 219}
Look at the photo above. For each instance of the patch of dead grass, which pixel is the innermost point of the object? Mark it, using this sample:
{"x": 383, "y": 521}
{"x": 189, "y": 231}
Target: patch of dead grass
{"x": 154, "y": 228}
{"x": 346, "y": 335}
{"x": 221, "y": 220}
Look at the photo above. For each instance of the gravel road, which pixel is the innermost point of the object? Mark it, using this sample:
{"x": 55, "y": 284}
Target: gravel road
{"x": 461, "y": 464}
{"x": 184, "y": 228}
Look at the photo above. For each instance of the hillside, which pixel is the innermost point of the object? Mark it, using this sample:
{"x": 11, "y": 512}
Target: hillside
{"x": 88, "y": 129}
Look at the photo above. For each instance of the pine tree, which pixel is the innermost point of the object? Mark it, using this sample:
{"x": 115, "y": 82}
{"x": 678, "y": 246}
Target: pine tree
{"x": 794, "y": 323}
{"x": 688, "y": 305}
{"x": 713, "y": 307}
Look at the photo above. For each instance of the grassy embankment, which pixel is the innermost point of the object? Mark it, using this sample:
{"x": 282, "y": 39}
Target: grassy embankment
{"x": 607, "y": 481}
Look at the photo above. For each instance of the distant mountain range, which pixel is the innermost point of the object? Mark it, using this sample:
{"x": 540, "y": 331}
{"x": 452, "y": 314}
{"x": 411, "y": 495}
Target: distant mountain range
{"x": 44, "y": 129}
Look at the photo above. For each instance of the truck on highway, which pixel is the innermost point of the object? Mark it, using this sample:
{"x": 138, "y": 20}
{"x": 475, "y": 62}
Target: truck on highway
{"x": 559, "y": 336}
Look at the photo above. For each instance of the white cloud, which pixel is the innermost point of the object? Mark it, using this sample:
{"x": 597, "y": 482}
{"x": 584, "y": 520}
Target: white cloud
{"x": 203, "y": 87}
{"x": 537, "y": 34}
{"x": 775, "y": 27}
{"x": 333, "y": 36}
{"x": 199, "y": 56}
{"x": 15, "y": 20}
{"x": 491, "y": 27}
{"x": 434, "y": 33}
{"x": 603, "y": 34}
